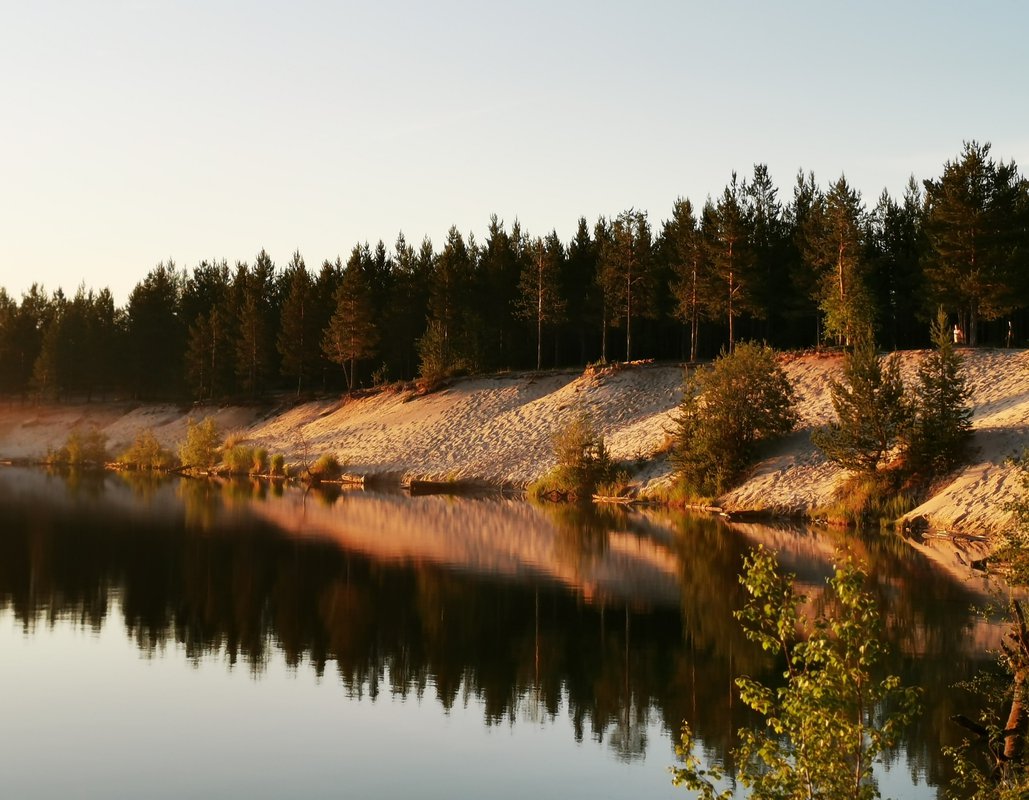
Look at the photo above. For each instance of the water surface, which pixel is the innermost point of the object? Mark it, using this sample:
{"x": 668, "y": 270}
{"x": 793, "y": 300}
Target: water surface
{"x": 187, "y": 638}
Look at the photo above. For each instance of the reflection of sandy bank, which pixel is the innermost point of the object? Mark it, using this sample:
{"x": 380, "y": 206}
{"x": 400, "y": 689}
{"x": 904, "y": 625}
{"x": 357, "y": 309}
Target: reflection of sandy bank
{"x": 490, "y": 537}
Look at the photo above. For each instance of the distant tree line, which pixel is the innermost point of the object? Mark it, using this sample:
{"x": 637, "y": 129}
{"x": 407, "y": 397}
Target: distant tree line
{"x": 809, "y": 270}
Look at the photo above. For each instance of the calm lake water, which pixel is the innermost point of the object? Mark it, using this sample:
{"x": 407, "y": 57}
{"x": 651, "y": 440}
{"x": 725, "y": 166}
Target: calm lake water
{"x": 191, "y": 639}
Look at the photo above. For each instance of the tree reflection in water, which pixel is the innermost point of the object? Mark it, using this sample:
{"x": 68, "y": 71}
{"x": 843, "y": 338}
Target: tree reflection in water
{"x": 577, "y": 622}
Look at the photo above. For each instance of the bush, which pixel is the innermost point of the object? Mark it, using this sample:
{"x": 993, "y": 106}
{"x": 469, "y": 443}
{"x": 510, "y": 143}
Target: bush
{"x": 582, "y": 461}
{"x": 86, "y": 448}
{"x": 942, "y": 420}
{"x": 743, "y": 399}
{"x": 326, "y": 468}
{"x": 259, "y": 462}
{"x": 872, "y": 415}
{"x": 278, "y": 465}
{"x": 239, "y": 459}
{"x": 200, "y": 450}
{"x": 146, "y": 453}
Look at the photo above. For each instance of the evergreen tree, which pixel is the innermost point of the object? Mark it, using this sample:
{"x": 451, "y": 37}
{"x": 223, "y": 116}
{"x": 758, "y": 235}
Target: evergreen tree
{"x": 895, "y": 277}
{"x": 207, "y": 312}
{"x": 298, "y": 337}
{"x": 253, "y": 298}
{"x": 156, "y": 334}
{"x": 728, "y": 409}
{"x": 835, "y": 248}
{"x": 626, "y": 271}
{"x": 351, "y": 334}
{"x": 404, "y": 313}
{"x": 682, "y": 247}
{"x": 942, "y": 419}
{"x": 871, "y": 412}
{"x": 973, "y": 235}
{"x": 47, "y": 379}
{"x": 731, "y": 258}
{"x": 802, "y": 302}
{"x": 769, "y": 241}
{"x": 450, "y": 300}
{"x": 26, "y": 337}
{"x": 501, "y": 265}
{"x": 8, "y": 362}
{"x": 579, "y": 288}
{"x": 540, "y": 301}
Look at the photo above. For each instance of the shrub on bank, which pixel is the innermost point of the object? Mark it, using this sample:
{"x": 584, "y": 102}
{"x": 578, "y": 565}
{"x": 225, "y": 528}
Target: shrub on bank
{"x": 743, "y": 399}
{"x": 326, "y": 468}
{"x": 583, "y": 462}
{"x": 277, "y": 467}
{"x": 239, "y": 460}
{"x": 201, "y": 448}
{"x": 146, "y": 453}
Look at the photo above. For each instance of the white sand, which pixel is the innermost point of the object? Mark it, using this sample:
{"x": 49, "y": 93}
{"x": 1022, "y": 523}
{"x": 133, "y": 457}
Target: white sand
{"x": 498, "y": 430}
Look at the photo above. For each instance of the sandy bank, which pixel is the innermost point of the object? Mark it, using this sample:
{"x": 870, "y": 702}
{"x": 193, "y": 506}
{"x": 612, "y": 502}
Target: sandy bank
{"x": 497, "y": 430}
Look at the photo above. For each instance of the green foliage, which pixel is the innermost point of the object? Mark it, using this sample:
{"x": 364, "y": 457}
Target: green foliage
{"x": 942, "y": 420}
{"x": 871, "y": 498}
{"x": 871, "y": 412}
{"x": 89, "y": 447}
{"x": 146, "y": 453}
{"x": 239, "y": 459}
{"x": 277, "y": 467}
{"x": 539, "y": 299}
{"x": 582, "y": 460}
{"x": 971, "y": 214}
{"x": 201, "y": 448}
{"x": 834, "y": 246}
{"x": 626, "y": 271}
{"x": 834, "y": 718}
{"x": 743, "y": 399}
{"x": 999, "y": 727}
{"x": 259, "y": 463}
{"x": 437, "y": 357}
{"x": 326, "y": 468}
{"x": 351, "y": 334}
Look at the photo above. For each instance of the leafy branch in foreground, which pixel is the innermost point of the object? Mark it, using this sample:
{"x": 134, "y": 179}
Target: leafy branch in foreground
{"x": 833, "y": 719}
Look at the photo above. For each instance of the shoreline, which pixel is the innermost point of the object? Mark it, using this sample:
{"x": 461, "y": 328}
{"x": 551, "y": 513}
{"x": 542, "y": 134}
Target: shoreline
{"x": 493, "y": 433}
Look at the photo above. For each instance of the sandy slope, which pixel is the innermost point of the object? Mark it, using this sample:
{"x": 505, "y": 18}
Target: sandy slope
{"x": 498, "y": 430}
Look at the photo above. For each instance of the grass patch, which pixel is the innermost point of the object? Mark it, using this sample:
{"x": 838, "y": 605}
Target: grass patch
{"x": 326, "y": 468}
{"x": 875, "y": 499}
{"x": 239, "y": 459}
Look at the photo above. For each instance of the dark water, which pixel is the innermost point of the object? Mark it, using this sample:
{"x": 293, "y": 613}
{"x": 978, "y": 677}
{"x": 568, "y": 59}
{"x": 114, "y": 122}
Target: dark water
{"x": 191, "y": 639}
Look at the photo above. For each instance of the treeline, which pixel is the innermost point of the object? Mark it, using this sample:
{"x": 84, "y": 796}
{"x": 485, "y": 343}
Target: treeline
{"x": 809, "y": 270}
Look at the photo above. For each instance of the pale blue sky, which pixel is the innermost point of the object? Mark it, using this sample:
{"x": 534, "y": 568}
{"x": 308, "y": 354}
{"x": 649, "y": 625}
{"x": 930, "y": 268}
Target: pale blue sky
{"x": 133, "y": 132}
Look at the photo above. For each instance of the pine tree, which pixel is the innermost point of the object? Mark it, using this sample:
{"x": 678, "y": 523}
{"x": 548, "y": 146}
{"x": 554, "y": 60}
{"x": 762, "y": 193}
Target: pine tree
{"x": 539, "y": 298}
{"x": 682, "y": 246}
{"x": 253, "y": 290}
{"x": 835, "y": 246}
{"x": 579, "y": 288}
{"x": 871, "y": 412}
{"x": 942, "y": 423}
{"x": 973, "y": 235}
{"x": 731, "y": 257}
{"x": 351, "y": 333}
{"x": 626, "y": 271}
{"x": 298, "y": 335}
{"x": 156, "y": 333}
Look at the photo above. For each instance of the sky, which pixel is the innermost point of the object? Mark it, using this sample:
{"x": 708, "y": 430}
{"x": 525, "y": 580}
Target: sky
{"x": 137, "y": 131}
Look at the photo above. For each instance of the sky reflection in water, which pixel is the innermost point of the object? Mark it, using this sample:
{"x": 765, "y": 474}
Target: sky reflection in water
{"x": 221, "y": 641}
